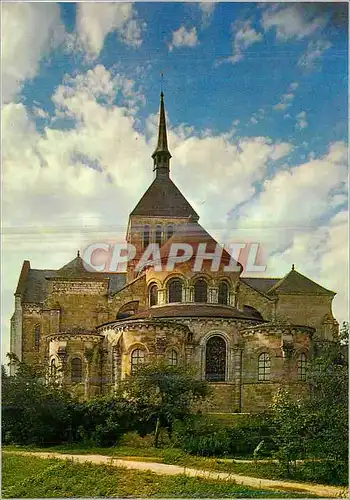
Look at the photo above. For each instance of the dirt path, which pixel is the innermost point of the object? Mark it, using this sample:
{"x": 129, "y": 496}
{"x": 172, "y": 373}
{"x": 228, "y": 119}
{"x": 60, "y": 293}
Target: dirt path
{"x": 323, "y": 491}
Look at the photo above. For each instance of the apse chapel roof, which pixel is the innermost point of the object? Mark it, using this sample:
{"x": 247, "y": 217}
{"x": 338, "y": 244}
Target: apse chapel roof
{"x": 199, "y": 310}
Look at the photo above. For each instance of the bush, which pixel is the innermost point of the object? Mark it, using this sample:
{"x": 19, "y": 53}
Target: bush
{"x": 327, "y": 472}
{"x": 205, "y": 436}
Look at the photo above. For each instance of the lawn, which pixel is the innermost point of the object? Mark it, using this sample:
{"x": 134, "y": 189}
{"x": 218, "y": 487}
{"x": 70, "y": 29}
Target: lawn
{"x": 136, "y": 448}
{"x": 32, "y": 477}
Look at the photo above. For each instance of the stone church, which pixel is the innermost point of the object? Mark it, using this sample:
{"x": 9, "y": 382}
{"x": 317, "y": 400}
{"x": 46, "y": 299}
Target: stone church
{"x": 245, "y": 336}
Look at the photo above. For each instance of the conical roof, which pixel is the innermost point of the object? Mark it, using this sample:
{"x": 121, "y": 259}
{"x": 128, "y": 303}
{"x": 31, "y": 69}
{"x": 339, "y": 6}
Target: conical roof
{"x": 163, "y": 198}
{"x": 295, "y": 283}
{"x": 75, "y": 267}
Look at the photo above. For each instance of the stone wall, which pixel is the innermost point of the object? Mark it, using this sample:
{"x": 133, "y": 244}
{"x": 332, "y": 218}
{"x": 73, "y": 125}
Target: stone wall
{"x": 250, "y": 297}
{"x": 305, "y": 310}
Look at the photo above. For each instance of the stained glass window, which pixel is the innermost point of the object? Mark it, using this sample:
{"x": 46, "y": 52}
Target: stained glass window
{"x": 175, "y": 291}
{"x": 302, "y": 365}
{"x": 264, "y": 367}
{"x": 172, "y": 359}
{"x": 215, "y": 359}
{"x": 137, "y": 359}
{"x": 77, "y": 370}
{"x": 153, "y": 295}
{"x": 200, "y": 291}
{"x": 223, "y": 293}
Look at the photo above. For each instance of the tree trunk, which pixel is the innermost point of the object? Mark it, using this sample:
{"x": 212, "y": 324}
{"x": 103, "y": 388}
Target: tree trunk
{"x": 156, "y": 433}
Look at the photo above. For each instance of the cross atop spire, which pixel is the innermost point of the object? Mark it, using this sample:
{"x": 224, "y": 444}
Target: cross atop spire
{"x": 161, "y": 155}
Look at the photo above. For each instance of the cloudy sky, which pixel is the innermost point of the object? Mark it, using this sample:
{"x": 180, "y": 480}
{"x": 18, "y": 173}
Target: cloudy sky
{"x": 256, "y": 99}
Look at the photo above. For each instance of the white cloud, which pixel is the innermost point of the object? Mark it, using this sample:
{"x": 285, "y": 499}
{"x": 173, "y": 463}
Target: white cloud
{"x": 244, "y": 37}
{"x": 301, "y": 122}
{"x": 313, "y": 54}
{"x": 24, "y": 44}
{"x": 184, "y": 38}
{"x": 207, "y": 10}
{"x": 285, "y": 102}
{"x": 293, "y": 86}
{"x": 291, "y": 21}
{"x": 96, "y": 20}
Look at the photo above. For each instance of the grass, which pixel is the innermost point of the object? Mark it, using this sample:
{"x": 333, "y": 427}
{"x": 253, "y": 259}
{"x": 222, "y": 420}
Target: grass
{"x": 32, "y": 477}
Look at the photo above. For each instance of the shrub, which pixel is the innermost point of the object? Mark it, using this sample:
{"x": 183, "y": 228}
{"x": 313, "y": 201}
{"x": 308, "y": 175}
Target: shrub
{"x": 205, "y": 436}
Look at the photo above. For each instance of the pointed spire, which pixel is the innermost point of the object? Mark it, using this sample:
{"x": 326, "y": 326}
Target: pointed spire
{"x": 161, "y": 155}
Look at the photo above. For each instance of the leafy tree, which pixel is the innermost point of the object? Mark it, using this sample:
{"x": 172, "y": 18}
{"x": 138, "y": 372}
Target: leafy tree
{"x": 163, "y": 394}
{"x": 34, "y": 411}
{"x": 316, "y": 426}
{"x": 344, "y": 333}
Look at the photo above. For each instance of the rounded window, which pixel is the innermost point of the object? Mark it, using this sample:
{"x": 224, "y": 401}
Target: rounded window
{"x": 175, "y": 291}
{"x": 215, "y": 359}
{"x": 200, "y": 291}
{"x": 137, "y": 359}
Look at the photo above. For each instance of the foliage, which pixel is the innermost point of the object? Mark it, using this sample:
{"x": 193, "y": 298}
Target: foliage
{"x": 35, "y": 412}
{"x": 317, "y": 425}
{"x": 344, "y": 333}
{"x": 205, "y": 436}
{"x": 162, "y": 395}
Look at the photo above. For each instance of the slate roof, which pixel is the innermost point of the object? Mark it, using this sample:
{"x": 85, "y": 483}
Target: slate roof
{"x": 296, "y": 283}
{"x": 193, "y": 234}
{"x": 261, "y": 284}
{"x": 36, "y": 284}
{"x": 193, "y": 310}
{"x": 163, "y": 198}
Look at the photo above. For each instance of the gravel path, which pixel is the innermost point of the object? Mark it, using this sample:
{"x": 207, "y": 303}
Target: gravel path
{"x": 322, "y": 491}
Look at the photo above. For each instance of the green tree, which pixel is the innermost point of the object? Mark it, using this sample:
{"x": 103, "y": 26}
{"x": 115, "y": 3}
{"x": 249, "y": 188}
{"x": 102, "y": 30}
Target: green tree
{"x": 34, "y": 411}
{"x": 163, "y": 394}
{"x": 316, "y": 426}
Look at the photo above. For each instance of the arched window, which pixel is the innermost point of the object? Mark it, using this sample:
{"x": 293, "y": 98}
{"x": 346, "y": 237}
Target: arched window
{"x": 302, "y": 366}
{"x": 137, "y": 359}
{"x": 264, "y": 367}
{"x": 146, "y": 236}
{"x": 172, "y": 358}
{"x": 153, "y": 295}
{"x": 175, "y": 291}
{"x": 53, "y": 368}
{"x": 215, "y": 359}
{"x": 169, "y": 231}
{"x": 76, "y": 370}
{"x": 223, "y": 293}
{"x": 200, "y": 291}
{"x": 36, "y": 335}
{"x": 158, "y": 238}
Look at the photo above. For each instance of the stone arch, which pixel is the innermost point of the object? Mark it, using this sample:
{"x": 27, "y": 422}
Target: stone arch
{"x": 137, "y": 354}
{"x": 152, "y": 294}
{"x": 203, "y": 346}
{"x": 175, "y": 290}
{"x": 128, "y": 309}
{"x": 224, "y": 289}
{"x": 201, "y": 290}
{"x": 76, "y": 371}
{"x": 169, "y": 355}
{"x": 253, "y": 311}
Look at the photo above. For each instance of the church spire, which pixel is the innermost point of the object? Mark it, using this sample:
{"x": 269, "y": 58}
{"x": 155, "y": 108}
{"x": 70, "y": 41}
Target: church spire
{"x": 161, "y": 155}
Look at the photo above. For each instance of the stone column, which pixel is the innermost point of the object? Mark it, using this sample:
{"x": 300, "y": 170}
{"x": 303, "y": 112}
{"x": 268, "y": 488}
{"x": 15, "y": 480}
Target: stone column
{"x": 161, "y": 296}
{"x": 213, "y": 295}
{"x": 237, "y": 354}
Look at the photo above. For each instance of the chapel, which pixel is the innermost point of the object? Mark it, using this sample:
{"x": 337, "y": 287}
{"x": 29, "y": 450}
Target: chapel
{"x": 246, "y": 336}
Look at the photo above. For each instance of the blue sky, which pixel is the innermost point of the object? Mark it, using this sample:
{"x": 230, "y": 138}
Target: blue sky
{"x": 256, "y": 100}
